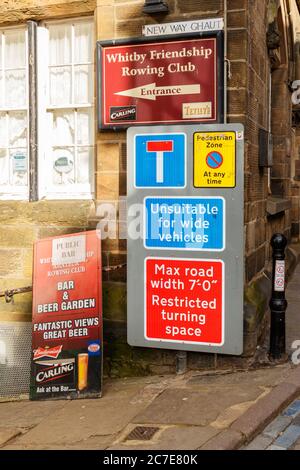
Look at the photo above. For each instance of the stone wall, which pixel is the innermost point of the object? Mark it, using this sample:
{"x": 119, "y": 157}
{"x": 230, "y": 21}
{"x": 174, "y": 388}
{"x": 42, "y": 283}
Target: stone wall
{"x": 248, "y": 103}
{"x": 17, "y": 11}
{"x": 22, "y": 223}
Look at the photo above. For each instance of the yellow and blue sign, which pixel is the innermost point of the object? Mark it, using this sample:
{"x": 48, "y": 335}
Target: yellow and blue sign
{"x": 214, "y": 159}
{"x": 189, "y": 223}
{"x": 160, "y": 160}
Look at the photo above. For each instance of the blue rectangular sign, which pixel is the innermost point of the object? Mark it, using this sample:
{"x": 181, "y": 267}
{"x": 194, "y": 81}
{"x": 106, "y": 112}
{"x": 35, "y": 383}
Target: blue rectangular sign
{"x": 160, "y": 160}
{"x": 191, "y": 223}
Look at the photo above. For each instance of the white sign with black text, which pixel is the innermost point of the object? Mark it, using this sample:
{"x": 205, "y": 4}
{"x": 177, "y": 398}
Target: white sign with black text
{"x": 184, "y": 27}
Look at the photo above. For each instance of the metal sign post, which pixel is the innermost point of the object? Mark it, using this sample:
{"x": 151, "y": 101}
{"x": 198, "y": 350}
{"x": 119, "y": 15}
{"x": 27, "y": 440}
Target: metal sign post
{"x": 186, "y": 265}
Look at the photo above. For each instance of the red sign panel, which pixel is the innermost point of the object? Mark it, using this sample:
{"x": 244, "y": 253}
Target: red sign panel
{"x": 184, "y": 301}
{"x": 67, "y": 317}
{"x": 161, "y": 82}
{"x": 160, "y": 146}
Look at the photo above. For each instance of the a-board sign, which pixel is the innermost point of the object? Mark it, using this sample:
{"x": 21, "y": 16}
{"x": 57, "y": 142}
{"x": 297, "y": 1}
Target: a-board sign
{"x": 186, "y": 269}
{"x": 169, "y": 80}
{"x": 67, "y": 347}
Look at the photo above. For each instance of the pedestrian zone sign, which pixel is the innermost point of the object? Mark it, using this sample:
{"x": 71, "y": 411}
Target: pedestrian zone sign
{"x": 160, "y": 161}
{"x": 214, "y": 160}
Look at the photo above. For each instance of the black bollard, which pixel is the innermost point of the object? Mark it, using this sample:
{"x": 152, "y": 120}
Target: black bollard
{"x": 278, "y": 303}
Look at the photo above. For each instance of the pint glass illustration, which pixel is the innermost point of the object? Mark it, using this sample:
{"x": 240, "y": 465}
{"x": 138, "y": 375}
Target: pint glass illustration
{"x": 83, "y": 363}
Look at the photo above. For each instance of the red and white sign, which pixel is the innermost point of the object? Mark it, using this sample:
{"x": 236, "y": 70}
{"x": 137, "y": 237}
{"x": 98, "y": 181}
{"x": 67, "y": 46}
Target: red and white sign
{"x": 160, "y": 82}
{"x": 279, "y": 276}
{"x": 67, "y": 317}
{"x": 67, "y": 306}
{"x": 184, "y": 301}
{"x": 39, "y": 353}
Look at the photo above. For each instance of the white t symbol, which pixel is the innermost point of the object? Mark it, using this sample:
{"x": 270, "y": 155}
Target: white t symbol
{"x": 160, "y": 147}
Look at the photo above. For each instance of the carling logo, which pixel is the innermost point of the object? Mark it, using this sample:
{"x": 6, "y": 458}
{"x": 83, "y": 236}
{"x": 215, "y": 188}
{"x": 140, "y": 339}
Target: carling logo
{"x": 58, "y": 371}
{"x": 122, "y": 113}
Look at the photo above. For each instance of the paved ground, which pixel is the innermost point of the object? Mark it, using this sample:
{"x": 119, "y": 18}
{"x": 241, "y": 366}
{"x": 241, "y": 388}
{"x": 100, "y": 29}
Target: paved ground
{"x": 188, "y": 412}
{"x": 293, "y": 316}
{"x": 282, "y": 434}
{"x": 193, "y": 411}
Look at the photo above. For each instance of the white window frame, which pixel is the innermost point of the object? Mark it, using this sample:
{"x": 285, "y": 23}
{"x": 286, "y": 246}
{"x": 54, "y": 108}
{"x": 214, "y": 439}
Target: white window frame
{"x": 14, "y": 192}
{"x": 75, "y": 191}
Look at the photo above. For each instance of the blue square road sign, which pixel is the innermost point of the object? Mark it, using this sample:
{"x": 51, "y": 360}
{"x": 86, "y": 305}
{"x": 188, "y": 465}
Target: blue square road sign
{"x": 160, "y": 161}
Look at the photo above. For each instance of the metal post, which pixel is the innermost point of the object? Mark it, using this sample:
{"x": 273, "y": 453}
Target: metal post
{"x": 181, "y": 362}
{"x": 278, "y": 303}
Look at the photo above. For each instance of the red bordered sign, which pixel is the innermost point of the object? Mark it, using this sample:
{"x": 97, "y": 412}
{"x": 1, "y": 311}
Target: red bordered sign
{"x": 184, "y": 301}
{"x": 169, "y": 82}
{"x": 67, "y": 346}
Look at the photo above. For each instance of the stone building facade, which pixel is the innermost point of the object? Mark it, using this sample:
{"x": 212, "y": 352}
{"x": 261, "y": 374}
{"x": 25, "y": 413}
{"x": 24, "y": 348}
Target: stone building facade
{"x": 262, "y": 65}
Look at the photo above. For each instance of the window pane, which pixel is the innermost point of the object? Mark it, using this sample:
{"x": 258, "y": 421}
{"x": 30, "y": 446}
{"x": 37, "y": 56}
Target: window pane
{"x": 14, "y": 55}
{"x": 83, "y": 168}
{"x": 13, "y": 124}
{"x": 18, "y": 159}
{"x": 63, "y": 128}
{"x": 63, "y": 166}
{"x": 83, "y": 43}
{"x": 85, "y": 127}
{"x": 60, "y": 86}
{"x": 60, "y": 44}
{"x": 3, "y": 130}
{"x": 70, "y": 85}
{"x": 3, "y": 167}
{"x": 15, "y": 88}
{"x": 83, "y": 84}
{"x": 17, "y": 129}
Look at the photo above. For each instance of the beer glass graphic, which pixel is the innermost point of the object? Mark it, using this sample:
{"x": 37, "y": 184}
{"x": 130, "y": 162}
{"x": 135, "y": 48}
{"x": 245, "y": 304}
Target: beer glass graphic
{"x": 83, "y": 364}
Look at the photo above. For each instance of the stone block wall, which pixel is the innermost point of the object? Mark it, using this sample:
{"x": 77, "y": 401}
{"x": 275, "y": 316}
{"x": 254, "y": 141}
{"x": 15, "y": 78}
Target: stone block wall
{"x": 248, "y": 96}
{"x": 21, "y": 224}
{"x": 248, "y": 93}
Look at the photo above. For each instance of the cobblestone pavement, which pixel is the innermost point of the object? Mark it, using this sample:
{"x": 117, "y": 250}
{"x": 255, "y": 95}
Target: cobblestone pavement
{"x": 282, "y": 434}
